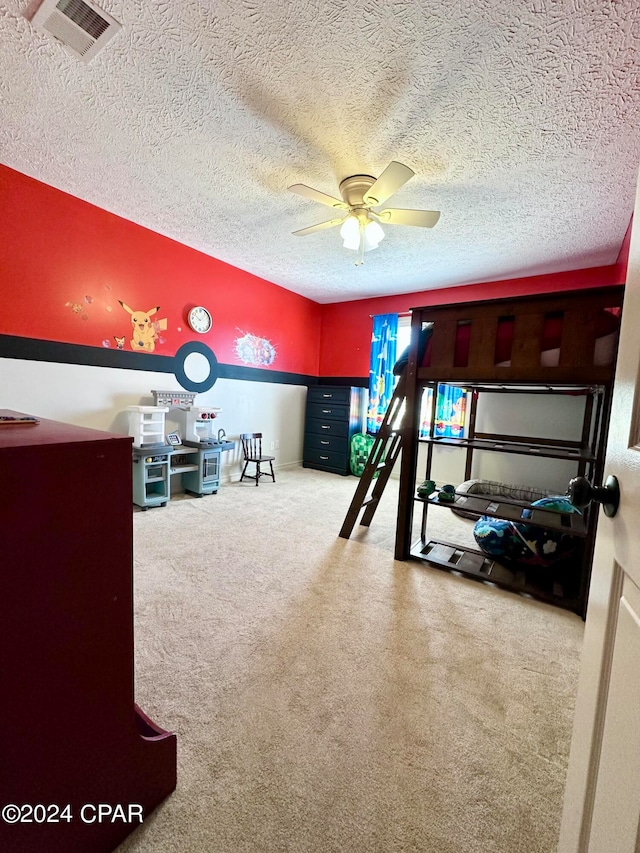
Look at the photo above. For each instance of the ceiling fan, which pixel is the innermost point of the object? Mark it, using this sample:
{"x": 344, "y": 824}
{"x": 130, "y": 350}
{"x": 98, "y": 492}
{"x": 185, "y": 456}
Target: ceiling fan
{"x": 361, "y": 228}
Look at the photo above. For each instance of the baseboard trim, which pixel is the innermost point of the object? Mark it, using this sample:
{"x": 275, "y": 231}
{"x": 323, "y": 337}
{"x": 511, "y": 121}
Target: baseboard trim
{"x": 234, "y": 476}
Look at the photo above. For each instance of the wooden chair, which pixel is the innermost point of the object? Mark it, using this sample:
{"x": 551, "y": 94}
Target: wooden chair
{"x": 252, "y": 449}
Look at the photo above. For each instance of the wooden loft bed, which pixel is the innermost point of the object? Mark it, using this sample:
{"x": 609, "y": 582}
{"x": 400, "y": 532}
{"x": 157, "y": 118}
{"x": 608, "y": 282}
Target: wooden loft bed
{"x": 552, "y": 343}
{"x": 579, "y": 315}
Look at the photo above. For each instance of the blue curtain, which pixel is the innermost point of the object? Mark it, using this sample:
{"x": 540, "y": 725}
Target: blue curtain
{"x": 450, "y": 415}
{"x": 451, "y": 406}
{"x": 381, "y": 378}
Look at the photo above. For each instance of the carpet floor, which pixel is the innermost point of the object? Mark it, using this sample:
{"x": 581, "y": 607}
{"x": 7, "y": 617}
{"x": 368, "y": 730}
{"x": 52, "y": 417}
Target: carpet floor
{"x": 329, "y": 698}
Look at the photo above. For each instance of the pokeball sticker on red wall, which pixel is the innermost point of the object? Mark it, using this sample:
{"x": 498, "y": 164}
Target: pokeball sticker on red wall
{"x": 251, "y": 349}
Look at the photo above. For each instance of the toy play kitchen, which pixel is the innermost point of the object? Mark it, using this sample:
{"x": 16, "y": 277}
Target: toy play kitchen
{"x": 197, "y": 458}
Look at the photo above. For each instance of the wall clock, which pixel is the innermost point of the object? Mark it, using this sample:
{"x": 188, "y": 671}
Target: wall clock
{"x": 199, "y": 320}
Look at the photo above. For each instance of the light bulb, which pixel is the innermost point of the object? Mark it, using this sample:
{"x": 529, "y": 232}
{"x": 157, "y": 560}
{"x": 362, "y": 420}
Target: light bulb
{"x": 350, "y": 233}
{"x": 373, "y": 233}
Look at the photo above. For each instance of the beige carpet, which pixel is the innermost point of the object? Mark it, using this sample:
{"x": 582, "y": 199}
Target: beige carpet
{"x": 328, "y": 698}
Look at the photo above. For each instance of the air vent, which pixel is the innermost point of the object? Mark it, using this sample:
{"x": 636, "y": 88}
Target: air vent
{"x": 81, "y": 26}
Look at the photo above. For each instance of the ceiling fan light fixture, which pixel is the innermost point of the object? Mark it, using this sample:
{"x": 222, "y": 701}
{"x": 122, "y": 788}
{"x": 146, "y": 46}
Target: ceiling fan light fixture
{"x": 360, "y": 233}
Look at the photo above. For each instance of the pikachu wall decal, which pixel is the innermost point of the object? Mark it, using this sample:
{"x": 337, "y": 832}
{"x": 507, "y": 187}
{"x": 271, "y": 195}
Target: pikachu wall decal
{"x": 145, "y": 330}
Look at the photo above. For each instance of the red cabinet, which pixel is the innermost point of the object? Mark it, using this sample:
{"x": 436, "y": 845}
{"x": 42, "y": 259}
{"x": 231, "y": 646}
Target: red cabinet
{"x": 70, "y": 732}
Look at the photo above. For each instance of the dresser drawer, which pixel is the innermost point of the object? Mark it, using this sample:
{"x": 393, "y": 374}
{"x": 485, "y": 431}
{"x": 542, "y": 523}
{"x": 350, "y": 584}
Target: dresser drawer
{"x": 320, "y": 394}
{"x": 327, "y": 459}
{"x": 335, "y": 443}
{"x": 326, "y": 410}
{"x": 327, "y": 427}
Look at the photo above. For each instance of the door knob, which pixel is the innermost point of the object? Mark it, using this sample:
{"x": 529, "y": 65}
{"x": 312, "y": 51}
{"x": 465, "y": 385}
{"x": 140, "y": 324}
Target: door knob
{"x": 581, "y": 493}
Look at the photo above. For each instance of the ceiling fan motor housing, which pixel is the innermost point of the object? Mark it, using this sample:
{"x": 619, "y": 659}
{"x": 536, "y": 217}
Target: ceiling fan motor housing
{"x": 353, "y": 190}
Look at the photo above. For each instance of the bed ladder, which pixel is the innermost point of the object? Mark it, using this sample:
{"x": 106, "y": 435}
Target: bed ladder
{"x": 382, "y": 457}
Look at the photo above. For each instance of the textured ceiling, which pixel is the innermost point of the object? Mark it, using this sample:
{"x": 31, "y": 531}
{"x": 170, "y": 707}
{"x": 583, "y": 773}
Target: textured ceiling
{"x": 521, "y": 121}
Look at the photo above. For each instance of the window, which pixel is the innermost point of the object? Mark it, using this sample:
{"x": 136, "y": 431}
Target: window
{"x": 404, "y": 333}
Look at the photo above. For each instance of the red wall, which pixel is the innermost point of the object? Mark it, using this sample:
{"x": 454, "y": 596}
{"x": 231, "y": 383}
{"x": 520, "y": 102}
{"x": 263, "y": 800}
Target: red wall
{"x": 347, "y": 354}
{"x": 65, "y": 265}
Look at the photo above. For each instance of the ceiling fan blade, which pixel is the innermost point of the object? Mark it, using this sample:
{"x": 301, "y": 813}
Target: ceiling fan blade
{"x": 316, "y": 195}
{"x": 421, "y": 218}
{"x": 320, "y": 227}
{"x": 393, "y": 177}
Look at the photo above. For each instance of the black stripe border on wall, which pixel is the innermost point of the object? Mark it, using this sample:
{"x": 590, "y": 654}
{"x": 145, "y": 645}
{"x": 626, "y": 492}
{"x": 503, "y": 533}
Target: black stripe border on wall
{"x": 34, "y": 349}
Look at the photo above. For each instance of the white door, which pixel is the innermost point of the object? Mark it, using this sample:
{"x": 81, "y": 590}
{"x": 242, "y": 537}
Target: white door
{"x": 602, "y": 797}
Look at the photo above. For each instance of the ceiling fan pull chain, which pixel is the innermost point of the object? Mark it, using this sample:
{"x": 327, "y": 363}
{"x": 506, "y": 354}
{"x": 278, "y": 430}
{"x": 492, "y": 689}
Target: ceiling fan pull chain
{"x": 361, "y": 246}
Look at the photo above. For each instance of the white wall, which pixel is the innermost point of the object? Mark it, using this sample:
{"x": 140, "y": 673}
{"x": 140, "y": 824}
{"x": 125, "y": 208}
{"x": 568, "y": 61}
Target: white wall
{"x": 98, "y": 397}
{"x": 536, "y": 416}
{"x": 542, "y": 416}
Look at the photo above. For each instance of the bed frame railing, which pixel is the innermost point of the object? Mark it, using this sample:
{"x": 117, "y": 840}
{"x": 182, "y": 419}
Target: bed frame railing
{"x": 581, "y": 315}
